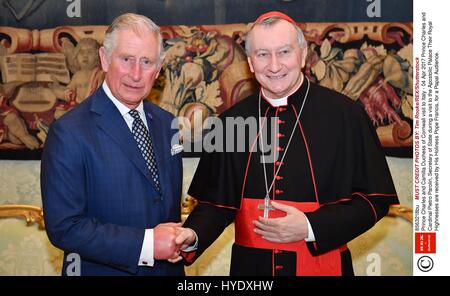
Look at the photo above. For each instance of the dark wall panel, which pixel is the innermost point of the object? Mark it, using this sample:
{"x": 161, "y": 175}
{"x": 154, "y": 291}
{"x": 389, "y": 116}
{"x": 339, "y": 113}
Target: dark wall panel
{"x": 52, "y": 13}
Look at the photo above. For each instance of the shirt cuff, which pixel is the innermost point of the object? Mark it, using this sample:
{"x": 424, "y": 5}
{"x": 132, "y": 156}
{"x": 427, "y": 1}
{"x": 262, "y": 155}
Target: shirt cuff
{"x": 146, "y": 258}
{"x": 194, "y": 246}
{"x": 310, "y": 237}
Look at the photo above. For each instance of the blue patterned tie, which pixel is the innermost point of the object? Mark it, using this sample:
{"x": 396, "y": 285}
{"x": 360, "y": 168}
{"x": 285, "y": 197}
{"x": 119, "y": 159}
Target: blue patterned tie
{"x": 142, "y": 137}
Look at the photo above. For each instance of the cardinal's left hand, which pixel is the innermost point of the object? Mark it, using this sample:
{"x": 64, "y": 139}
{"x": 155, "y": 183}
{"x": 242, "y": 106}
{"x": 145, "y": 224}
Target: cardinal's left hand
{"x": 290, "y": 228}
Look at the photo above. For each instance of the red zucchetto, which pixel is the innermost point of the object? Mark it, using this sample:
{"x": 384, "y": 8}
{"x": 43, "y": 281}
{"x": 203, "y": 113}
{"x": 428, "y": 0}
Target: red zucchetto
{"x": 274, "y": 13}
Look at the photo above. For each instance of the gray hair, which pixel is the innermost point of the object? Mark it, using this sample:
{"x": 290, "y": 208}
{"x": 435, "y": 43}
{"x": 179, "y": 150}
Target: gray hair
{"x": 268, "y": 22}
{"x": 137, "y": 23}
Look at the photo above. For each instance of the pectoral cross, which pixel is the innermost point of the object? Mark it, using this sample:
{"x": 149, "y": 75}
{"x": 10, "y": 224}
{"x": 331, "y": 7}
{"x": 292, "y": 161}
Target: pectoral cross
{"x": 266, "y": 207}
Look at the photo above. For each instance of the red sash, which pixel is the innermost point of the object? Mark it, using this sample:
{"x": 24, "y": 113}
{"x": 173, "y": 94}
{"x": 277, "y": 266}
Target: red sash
{"x": 307, "y": 265}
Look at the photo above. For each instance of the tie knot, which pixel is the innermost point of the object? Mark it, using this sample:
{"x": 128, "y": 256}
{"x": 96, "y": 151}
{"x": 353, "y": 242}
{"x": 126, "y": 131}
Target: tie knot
{"x": 134, "y": 113}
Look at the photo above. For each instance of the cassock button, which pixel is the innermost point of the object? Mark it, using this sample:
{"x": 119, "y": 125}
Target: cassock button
{"x": 278, "y": 191}
{"x": 280, "y": 149}
{"x": 279, "y": 178}
{"x": 279, "y": 267}
{"x": 281, "y": 109}
{"x": 280, "y": 135}
{"x": 278, "y": 163}
{"x": 278, "y": 251}
{"x": 281, "y": 121}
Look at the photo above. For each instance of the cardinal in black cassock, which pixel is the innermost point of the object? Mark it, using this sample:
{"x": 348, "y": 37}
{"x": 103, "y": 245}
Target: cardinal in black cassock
{"x": 329, "y": 165}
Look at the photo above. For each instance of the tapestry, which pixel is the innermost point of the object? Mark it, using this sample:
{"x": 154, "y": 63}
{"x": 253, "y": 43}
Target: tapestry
{"x": 46, "y": 73}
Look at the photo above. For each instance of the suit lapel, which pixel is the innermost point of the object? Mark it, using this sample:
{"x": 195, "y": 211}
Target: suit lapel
{"x": 112, "y": 123}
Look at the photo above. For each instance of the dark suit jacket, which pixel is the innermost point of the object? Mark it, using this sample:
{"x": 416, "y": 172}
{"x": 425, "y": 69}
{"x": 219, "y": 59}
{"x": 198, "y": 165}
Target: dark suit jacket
{"x": 97, "y": 192}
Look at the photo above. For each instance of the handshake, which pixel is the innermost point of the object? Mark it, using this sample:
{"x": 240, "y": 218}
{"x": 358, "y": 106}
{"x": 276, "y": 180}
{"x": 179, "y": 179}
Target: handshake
{"x": 169, "y": 239}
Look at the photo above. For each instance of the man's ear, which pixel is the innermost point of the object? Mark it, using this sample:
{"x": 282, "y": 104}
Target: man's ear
{"x": 250, "y": 64}
{"x": 304, "y": 54}
{"x": 103, "y": 58}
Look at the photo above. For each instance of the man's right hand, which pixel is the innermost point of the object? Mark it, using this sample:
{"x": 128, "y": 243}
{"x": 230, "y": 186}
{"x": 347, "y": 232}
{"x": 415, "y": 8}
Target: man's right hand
{"x": 164, "y": 246}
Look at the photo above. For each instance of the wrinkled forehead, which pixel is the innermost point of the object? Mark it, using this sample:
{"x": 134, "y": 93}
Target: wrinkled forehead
{"x": 130, "y": 43}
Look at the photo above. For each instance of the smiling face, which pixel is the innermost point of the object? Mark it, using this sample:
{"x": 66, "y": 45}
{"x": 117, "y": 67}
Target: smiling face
{"x": 276, "y": 58}
{"x": 132, "y": 67}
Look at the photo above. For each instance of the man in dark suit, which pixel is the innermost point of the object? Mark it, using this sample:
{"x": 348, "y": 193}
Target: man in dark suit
{"x": 111, "y": 184}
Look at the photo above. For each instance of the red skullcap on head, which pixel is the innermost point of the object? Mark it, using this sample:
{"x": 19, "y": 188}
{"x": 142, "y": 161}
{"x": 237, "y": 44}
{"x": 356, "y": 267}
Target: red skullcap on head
{"x": 274, "y": 13}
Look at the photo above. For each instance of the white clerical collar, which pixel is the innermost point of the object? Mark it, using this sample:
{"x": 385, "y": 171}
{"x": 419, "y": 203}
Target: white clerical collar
{"x": 281, "y": 101}
{"x": 276, "y": 102}
{"x": 122, "y": 108}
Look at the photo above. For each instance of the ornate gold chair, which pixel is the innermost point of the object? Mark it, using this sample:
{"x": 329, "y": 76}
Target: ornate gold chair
{"x": 26, "y": 250}
{"x": 31, "y": 214}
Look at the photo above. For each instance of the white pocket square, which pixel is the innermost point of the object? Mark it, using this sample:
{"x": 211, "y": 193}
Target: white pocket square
{"x": 177, "y": 148}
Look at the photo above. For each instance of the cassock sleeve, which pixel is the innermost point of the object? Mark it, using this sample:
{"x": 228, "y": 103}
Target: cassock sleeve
{"x": 217, "y": 188}
{"x": 335, "y": 224}
{"x": 219, "y": 174}
{"x": 208, "y": 222}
